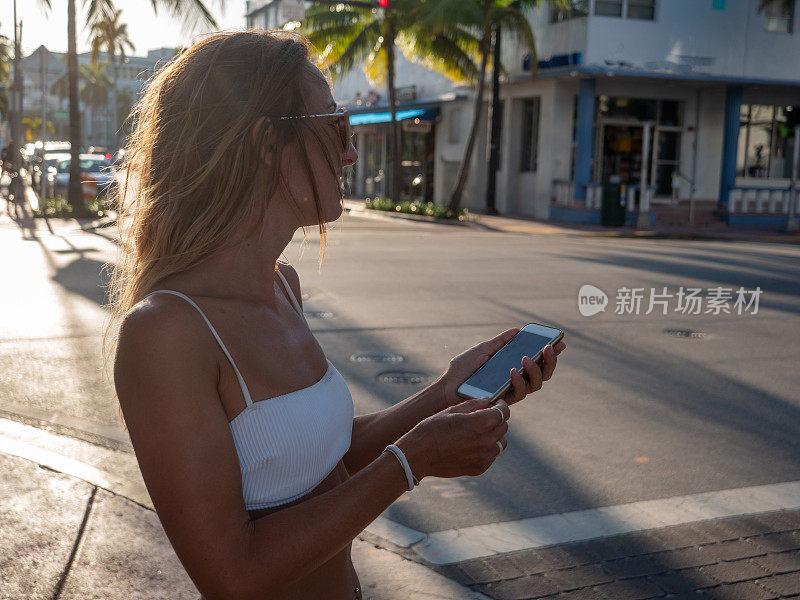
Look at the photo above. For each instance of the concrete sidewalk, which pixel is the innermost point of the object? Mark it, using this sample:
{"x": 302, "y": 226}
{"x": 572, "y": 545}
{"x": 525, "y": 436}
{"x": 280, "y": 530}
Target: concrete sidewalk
{"x": 530, "y": 225}
{"x": 76, "y": 522}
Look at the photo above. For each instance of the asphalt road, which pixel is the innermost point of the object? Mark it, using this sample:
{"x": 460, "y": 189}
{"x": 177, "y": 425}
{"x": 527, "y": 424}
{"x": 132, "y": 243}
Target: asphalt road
{"x": 634, "y": 411}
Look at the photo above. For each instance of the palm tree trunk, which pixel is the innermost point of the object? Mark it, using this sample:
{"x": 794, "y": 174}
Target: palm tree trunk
{"x": 395, "y": 129}
{"x": 463, "y": 170}
{"x": 74, "y": 194}
{"x": 114, "y": 112}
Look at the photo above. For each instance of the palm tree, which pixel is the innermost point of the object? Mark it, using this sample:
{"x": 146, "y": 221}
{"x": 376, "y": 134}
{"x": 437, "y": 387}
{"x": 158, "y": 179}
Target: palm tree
{"x": 6, "y": 58}
{"x": 482, "y": 17}
{"x": 193, "y": 13}
{"x": 108, "y": 34}
{"x": 349, "y": 36}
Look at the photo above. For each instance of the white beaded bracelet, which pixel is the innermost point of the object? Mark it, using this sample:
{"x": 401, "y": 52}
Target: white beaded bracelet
{"x": 412, "y": 481}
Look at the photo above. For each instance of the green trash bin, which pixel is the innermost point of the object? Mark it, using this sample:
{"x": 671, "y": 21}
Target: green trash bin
{"x": 612, "y": 210}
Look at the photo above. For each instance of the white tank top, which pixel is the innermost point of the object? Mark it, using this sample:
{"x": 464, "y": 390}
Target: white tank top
{"x": 288, "y": 444}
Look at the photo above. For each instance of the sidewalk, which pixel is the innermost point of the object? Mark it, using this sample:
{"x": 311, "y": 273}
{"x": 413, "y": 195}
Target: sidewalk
{"x": 525, "y": 224}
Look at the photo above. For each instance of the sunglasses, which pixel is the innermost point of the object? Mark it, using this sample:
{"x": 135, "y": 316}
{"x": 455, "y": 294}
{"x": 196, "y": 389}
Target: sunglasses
{"x": 341, "y": 120}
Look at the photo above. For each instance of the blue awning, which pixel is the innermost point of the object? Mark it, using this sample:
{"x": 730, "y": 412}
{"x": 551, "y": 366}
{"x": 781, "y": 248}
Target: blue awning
{"x": 423, "y": 114}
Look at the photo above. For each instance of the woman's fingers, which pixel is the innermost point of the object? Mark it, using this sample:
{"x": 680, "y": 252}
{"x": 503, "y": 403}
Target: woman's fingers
{"x": 549, "y": 360}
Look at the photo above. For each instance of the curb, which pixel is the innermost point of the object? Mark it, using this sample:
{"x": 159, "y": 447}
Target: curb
{"x": 518, "y": 225}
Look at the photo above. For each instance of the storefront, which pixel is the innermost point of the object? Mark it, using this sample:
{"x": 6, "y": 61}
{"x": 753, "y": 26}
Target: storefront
{"x": 371, "y": 175}
{"x": 715, "y": 151}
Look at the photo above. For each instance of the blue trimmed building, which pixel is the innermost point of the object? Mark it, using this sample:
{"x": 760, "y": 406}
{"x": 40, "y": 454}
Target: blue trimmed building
{"x": 698, "y": 98}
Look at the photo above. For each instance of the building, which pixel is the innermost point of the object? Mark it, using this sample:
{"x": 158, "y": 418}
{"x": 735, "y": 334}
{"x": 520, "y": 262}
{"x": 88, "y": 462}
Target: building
{"x": 43, "y": 69}
{"x": 698, "y": 98}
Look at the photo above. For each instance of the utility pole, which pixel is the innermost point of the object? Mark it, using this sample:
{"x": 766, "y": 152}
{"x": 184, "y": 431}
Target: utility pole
{"x": 494, "y": 148}
{"x": 16, "y": 123}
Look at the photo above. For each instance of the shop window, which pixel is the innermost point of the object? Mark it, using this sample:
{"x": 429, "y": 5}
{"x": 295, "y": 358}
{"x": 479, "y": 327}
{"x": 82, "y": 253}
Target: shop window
{"x": 608, "y": 8}
{"x": 766, "y": 141}
{"x": 530, "y": 134}
{"x": 576, "y": 8}
{"x": 642, "y": 9}
{"x": 778, "y": 16}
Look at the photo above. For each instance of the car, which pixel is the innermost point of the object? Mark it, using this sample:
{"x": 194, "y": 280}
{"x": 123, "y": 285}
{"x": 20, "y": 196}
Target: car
{"x": 94, "y": 167}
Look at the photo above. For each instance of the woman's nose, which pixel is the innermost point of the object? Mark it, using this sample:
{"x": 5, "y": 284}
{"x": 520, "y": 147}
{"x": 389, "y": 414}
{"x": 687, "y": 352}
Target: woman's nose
{"x": 350, "y": 157}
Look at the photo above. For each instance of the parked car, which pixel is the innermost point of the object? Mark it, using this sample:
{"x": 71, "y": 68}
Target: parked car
{"x": 94, "y": 167}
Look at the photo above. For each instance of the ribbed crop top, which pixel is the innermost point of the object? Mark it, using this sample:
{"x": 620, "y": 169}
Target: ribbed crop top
{"x": 288, "y": 444}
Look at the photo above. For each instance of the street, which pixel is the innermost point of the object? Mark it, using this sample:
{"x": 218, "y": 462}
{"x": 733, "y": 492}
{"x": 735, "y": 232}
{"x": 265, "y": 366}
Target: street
{"x": 640, "y": 408}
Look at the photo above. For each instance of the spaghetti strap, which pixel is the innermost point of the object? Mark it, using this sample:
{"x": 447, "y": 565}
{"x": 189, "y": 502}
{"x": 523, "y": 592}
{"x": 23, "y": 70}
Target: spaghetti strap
{"x": 290, "y": 293}
{"x": 242, "y": 384}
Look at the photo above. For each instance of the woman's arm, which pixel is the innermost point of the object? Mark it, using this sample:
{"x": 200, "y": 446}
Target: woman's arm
{"x": 373, "y": 432}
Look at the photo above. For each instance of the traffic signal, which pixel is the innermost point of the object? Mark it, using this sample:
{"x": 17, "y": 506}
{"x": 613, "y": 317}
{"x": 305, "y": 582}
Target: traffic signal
{"x": 383, "y": 3}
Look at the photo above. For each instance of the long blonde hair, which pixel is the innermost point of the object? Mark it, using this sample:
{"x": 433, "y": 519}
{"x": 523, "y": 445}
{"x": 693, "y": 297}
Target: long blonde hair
{"x": 194, "y": 157}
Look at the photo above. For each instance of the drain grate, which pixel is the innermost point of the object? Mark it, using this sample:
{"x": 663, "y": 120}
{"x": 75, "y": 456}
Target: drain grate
{"x": 402, "y": 377}
{"x": 376, "y": 357}
{"x": 687, "y": 333}
{"x": 318, "y": 315}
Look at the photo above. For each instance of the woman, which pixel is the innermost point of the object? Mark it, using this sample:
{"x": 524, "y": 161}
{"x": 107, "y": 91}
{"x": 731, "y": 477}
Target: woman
{"x": 243, "y": 430}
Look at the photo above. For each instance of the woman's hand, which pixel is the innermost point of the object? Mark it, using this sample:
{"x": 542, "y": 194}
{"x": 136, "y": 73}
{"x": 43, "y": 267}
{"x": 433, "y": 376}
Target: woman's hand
{"x": 466, "y": 363}
{"x": 464, "y": 439}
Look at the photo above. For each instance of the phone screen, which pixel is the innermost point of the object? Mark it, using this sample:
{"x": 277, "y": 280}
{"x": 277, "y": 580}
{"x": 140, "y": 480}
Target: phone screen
{"x": 495, "y": 372}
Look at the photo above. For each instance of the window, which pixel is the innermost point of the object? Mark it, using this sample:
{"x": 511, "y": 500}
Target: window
{"x": 766, "y": 141}
{"x": 530, "y": 134}
{"x": 642, "y": 9}
{"x": 630, "y": 9}
{"x": 608, "y": 8}
{"x": 778, "y": 16}
{"x": 576, "y": 8}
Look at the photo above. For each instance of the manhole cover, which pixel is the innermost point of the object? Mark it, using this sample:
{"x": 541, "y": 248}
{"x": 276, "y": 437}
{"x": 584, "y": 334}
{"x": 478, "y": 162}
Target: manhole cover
{"x": 318, "y": 315}
{"x": 402, "y": 377}
{"x": 686, "y": 333}
{"x": 376, "y": 357}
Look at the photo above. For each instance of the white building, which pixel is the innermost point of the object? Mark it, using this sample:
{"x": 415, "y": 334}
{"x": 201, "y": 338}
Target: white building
{"x": 712, "y": 86}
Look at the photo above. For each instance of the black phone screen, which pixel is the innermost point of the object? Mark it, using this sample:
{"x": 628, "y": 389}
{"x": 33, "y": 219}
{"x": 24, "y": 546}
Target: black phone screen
{"x": 495, "y": 372}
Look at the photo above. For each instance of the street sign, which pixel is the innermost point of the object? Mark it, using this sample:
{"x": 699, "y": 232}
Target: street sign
{"x": 61, "y": 115}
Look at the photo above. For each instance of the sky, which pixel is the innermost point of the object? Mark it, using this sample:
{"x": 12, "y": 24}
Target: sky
{"x": 146, "y": 30}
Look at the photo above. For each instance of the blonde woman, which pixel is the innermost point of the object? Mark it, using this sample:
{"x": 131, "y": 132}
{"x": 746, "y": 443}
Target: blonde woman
{"x": 243, "y": 429}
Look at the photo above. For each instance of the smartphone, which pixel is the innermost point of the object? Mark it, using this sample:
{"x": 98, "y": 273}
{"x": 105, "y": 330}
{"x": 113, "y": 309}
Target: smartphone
{"x": 492, "y": 378}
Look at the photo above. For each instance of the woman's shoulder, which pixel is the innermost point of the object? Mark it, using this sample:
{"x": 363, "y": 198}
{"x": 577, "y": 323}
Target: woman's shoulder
{"x": 164, "y": 324}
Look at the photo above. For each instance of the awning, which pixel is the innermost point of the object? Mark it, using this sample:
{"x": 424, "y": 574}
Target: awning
{"x": 423, "y": 114}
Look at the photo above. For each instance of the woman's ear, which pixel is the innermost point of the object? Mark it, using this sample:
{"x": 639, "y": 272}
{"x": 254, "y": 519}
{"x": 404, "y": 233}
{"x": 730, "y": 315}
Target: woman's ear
{"x": 264, "y": 140}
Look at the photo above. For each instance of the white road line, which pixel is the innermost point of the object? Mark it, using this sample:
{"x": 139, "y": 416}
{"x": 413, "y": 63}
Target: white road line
{"x": 456, "y": 545}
